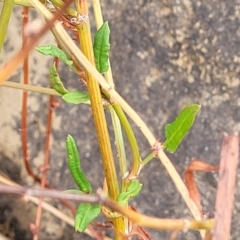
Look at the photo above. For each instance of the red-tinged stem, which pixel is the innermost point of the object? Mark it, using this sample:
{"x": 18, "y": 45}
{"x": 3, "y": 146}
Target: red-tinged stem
{"x": 24, "y": 99}
{"x": 46, "y": 163}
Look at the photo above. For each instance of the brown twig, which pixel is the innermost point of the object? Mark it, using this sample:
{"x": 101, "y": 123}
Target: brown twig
{"x": 24, "y": 117}
{"x": 50, "y": 193}
{"x": 24, "y": 99}
{"x": 226, "y": 187}
{"x": 46, "y": 164}
{"x": 142, "y": 220}
{"x": 24, "y": 105}
{"x": 24, "y": 130}
{"x": 57, "y": 213}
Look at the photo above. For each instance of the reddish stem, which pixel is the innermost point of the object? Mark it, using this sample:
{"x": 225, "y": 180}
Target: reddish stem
{"x": 24, "y": 98}
{"x": 46, "y": 164}
{"x": 24, "y": 137}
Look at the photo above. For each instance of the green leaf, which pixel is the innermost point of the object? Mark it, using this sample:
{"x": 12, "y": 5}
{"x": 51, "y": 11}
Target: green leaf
{"x": 101, "y": 47}
{"x": 176, "y": 131}
{"x": 56, "y": 82}
{"x": 55, "y": 52}
{"x": 86, "y": 213}
{"x": 76, "y": 97}
{"x": 74, "y": 165}
{"x": 132, "y": 190}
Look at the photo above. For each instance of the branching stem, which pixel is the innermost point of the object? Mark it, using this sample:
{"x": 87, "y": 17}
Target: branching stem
{"x": 27, "y": 87}
{"x": 69, "y": 46}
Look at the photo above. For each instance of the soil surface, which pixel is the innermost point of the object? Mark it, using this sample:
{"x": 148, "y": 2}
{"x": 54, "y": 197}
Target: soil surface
{"x": 165, "y": 55}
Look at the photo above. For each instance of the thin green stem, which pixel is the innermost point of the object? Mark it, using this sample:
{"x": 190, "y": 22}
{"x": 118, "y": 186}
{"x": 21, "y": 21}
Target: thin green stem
{"x": 119, "y": 141}
{"x": 148, "y": 158}
{"x": 30, "y": 88}
{"x": 4, "y": 19}
{"x": 131, "y": 140}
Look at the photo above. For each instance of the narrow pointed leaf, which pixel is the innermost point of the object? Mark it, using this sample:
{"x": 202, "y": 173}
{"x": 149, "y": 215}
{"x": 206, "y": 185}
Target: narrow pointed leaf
{"x": 76, "y": 97}
{"x": 132, "y": 190}
{"x": 54, "y": 51}
{"x": 86, "y": 213}
{"x": 56, "y": 82}
{"x": 101, "y": 47}
{"x": 74, "y": 165}
{"x": 176, "y": 131}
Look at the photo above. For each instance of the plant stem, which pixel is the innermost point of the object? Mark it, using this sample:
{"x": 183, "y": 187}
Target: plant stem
{"x": 115, "y": 120}
{"x": 97, "y": 108}
{"x": 30, "y": 88}
{"x": 46, "y": 162}
{"x": 71, "y": 12}
{"x": 157, "y": 223}
{"x": 98, "y": 114}
{"x": 135, "y": 217}
{"x": 121, "y": 115}
{"x": 148, "y": 158}
{"x": 69, "y": 46}
{"x": 119, "y": 141}
{"x": 24, "y": 135}
{"x": 49, "y": 208}
{"x": 4, "y": 19}
{"x": 131, "y": 140}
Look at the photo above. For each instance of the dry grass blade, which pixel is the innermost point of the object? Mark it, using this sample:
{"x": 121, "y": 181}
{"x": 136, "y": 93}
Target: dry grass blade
{"x": 226, "y": 187}
{"x": 196, "y": 165}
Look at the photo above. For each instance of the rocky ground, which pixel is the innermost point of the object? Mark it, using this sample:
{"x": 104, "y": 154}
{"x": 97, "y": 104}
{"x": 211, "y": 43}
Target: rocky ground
{"x": 165, "y": 55}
